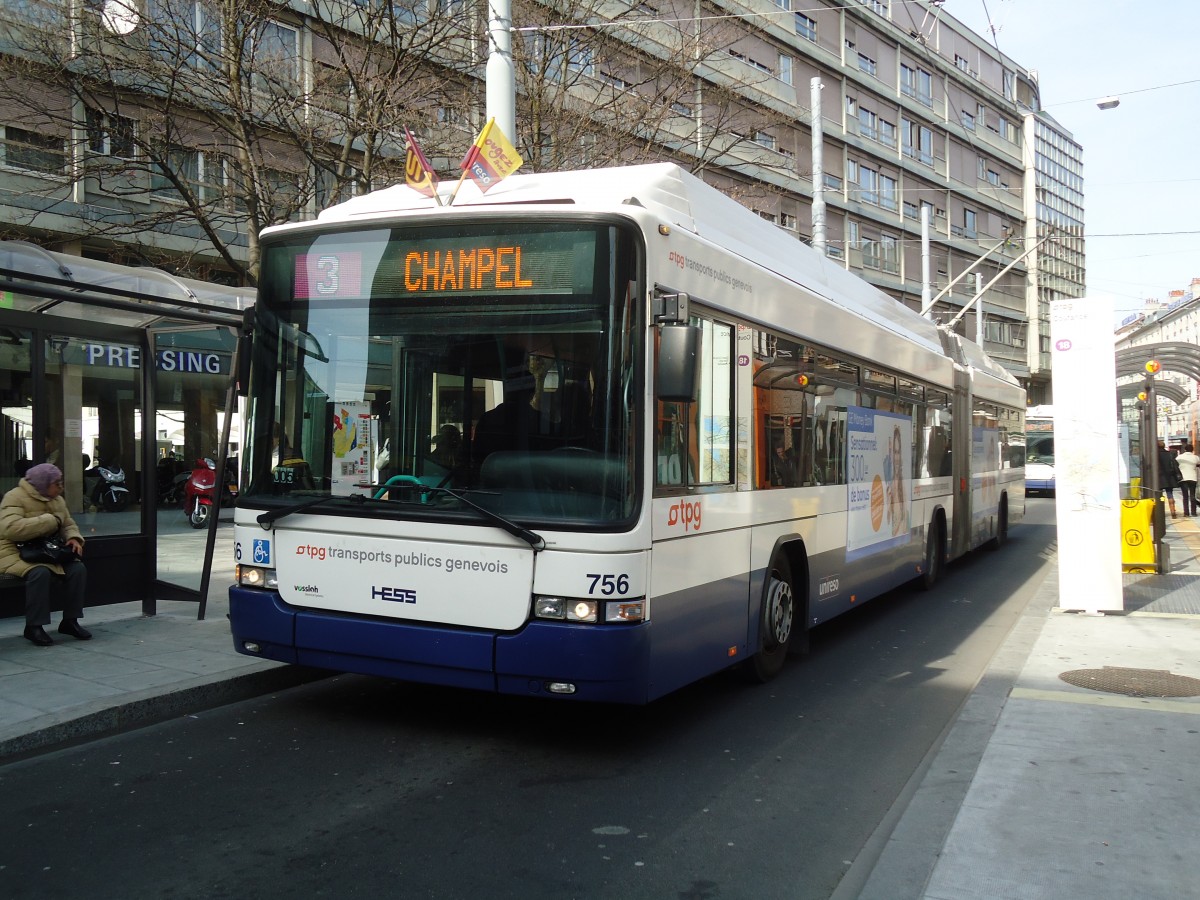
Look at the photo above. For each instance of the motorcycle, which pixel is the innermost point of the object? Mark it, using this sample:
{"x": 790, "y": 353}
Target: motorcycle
{"x": 200, "y": 489}
{"x": 108, "y": 493}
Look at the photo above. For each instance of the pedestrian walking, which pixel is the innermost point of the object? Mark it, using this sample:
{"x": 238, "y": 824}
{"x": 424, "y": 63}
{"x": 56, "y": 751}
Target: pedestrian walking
{"x": 1169, "y": 476}
{"x": 1189, "y": 464}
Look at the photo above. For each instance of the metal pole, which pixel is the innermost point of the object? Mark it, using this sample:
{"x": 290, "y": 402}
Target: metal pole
{"x": 500, "y": 74}
{"x": 818, "y": 172}
{"x": 979, "y": 309}
{"x": 219, "y": 487}
{"x": 926, "y": 282}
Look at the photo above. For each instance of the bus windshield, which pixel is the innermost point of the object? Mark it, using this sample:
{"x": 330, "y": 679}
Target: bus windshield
{"x": 492, "y": 362}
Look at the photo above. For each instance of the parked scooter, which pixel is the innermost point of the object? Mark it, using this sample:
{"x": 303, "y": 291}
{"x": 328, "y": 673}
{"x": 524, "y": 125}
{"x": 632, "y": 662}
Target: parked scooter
{"x": 107, "y": 492}
{"x": 199, "y": 490}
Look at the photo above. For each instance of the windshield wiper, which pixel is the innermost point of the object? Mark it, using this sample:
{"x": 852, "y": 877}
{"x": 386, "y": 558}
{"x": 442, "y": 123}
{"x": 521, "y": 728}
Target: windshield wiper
{"x": 534, "y": 540}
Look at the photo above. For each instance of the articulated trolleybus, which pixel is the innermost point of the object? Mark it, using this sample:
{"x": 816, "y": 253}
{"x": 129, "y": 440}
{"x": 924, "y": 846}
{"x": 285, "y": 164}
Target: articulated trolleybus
{"x": 594, "y": 435}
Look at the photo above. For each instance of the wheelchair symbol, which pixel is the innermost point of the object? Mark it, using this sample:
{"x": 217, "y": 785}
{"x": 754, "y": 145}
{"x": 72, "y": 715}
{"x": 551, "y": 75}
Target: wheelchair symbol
{"x": 262, "y": 551}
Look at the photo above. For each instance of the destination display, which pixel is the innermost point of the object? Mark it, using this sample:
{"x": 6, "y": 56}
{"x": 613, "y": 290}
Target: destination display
{"x": 540, "y": 264}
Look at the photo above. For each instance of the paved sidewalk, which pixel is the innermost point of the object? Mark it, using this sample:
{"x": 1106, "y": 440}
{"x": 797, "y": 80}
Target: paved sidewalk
{"x": 1046, "y": 789}
{"x": 136, "y": 670}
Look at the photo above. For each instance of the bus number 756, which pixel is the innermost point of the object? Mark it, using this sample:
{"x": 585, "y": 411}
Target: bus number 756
{"x": 609, "y": 584}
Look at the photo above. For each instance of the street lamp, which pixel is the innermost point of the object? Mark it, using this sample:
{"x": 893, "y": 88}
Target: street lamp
{"x": 1109, "y": 103}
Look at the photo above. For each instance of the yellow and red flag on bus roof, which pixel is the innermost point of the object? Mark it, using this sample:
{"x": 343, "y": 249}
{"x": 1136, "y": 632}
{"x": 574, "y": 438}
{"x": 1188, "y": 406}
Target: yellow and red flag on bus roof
{"x": 491, "y": 158}
{"x": 418, "y": 173}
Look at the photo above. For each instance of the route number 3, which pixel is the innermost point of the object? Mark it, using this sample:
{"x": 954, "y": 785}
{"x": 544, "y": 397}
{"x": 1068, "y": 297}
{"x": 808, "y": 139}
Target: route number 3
{"x": 608, "y": 584}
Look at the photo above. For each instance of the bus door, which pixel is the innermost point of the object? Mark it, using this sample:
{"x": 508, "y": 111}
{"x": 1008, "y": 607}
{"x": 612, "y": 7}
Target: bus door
{"x": 960, "y": 538}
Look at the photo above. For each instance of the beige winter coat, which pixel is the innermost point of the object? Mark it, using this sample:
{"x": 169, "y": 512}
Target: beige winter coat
{"x": 26, "y": 515}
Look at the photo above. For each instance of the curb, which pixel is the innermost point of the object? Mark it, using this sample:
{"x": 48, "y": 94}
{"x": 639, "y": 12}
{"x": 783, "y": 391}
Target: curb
{"x": 151, "y": 707}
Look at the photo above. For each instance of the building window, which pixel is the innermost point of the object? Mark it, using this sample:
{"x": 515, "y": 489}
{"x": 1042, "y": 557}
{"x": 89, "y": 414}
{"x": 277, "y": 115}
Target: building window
{"x": 34, "y": 151}
{"x": 868, "y": 185}
{"x": 917, "y": 141}
{"x": 765, "y": 139}
{"x": 866, "y": 124}
{"x": 185, "y": 29}
{"x": 866, "y": 64}
{"x": 887, "y": 193}
{"x": 916, "y": 83}
{"x": 968, "y": 120}
{"x": 581, "y": 58}
{"x": 181, "y": 164}
{"x": 788, "y": 221}
{"x": 806, "y": 27}
{"x": 969, "y": 223}
{"x": 784, "y": 72}
{"x": 887, "y": 132}
{"x": 110, "y": 135}
{"x": 960, "y": 62}
{"x": 889, "y": 254}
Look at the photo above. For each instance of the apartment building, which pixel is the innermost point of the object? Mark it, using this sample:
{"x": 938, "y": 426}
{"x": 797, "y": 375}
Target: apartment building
{"x": 1175, "y": 320}
{"x": 151, "y": 141}
{"x": 1054, "y": 226}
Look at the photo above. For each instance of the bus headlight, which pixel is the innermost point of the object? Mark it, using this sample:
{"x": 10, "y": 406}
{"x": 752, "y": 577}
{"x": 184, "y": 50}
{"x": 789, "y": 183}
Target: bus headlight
{"x": 572, "y": 609}
{"x": 256, "y": 577}
{"x": 581, "y": 611}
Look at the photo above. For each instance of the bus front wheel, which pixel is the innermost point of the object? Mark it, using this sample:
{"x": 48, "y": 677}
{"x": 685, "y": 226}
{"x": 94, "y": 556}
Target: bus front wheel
{"x": 777, "y": 621}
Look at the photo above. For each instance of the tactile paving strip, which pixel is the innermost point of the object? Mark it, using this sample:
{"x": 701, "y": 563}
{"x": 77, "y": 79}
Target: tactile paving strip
{"x": 1134, "y": 682}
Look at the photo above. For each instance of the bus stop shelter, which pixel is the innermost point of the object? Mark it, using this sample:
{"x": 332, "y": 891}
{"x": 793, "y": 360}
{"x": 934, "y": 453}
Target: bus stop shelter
{"x": 123, "y": 366}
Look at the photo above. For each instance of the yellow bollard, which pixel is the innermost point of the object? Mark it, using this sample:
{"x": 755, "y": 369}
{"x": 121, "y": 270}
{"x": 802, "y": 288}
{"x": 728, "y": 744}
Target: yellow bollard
{"x": 1137, "y": 536}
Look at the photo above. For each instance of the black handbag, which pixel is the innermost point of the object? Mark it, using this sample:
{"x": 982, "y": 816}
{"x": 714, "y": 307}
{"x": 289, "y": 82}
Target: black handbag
{"x": 45, "y": 550}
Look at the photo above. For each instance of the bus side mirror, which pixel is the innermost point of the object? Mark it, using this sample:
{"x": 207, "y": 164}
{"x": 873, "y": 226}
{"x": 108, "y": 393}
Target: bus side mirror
{"x": 245, "y": 344}
{"x": 678, "y": 363}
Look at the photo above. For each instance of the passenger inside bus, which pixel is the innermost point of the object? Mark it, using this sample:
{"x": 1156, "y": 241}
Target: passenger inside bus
{"x": 539, "y": 412}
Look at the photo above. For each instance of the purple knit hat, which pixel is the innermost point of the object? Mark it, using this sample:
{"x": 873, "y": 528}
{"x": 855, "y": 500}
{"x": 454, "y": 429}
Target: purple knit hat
{"x": 41, "y": 477}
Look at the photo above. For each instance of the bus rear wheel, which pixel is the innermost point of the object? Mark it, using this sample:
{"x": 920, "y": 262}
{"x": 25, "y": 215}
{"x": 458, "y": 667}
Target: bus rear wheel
{"x": 935, "y": 555}
{"x": 1001, "y": 536}
{"x": 777, "y": 621}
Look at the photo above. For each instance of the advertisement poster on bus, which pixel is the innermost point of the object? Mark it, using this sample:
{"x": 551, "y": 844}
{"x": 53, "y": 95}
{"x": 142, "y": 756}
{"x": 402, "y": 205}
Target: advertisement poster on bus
{"x": 879, "y": 457}
{"x": 352, "y": 444}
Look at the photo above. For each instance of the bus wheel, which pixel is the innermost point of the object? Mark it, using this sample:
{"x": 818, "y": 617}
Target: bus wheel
{"x": 935, "y": 555}
{"x": 1001, "y": 537}
{"x": 778, "y": 620}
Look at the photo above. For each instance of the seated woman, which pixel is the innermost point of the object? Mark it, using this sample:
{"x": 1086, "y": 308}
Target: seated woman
{"x": 34, "y": 509}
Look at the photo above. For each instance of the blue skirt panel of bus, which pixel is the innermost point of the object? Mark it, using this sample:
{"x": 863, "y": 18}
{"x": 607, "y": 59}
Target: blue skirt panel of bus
{"x": 259, "y": 617}
{"x": 605, "y": 663}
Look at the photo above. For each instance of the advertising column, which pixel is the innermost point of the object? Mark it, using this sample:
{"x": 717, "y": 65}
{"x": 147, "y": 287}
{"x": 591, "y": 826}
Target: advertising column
{"x": 1086, "y": 454}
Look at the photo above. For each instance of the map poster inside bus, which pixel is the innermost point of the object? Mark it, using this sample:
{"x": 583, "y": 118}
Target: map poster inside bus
{"x": 880, "y": 452}
{"x": 351, "y": 442}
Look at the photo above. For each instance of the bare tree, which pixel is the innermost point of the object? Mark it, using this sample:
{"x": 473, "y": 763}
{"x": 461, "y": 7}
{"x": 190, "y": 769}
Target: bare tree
{"x": 201, "y": 124}
{"x": 182, "y": 128}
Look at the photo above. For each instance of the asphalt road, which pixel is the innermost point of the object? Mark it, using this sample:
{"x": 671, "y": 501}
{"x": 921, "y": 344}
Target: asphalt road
{"x": 358, "y": 787}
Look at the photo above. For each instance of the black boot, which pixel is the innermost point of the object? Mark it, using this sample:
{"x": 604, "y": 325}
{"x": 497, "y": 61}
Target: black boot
{"x": 74, "y": 629}
{"x": 37, "y": 634}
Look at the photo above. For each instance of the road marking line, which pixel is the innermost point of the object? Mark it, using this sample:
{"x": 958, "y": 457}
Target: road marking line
{"x": 1112, "y": 701}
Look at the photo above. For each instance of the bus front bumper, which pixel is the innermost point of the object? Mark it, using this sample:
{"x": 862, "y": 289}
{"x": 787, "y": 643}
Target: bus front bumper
{"x": 553, "y": 659}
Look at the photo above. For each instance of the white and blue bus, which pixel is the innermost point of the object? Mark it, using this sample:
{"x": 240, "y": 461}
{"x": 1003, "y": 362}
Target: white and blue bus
{"x": 1039, "y": 450}
{"x": 594, "y": 435}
